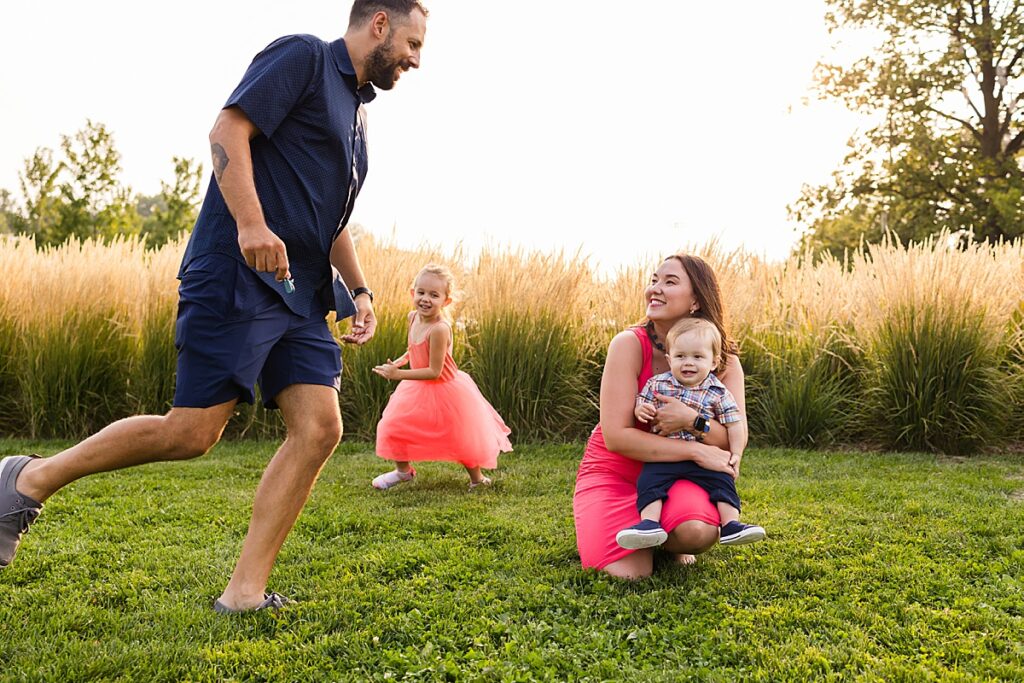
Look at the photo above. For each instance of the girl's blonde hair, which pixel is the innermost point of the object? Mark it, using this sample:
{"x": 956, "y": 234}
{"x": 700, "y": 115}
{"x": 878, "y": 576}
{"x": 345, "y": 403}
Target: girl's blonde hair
{"x": 445, "y": 273}
{"x": 708, "y": 331}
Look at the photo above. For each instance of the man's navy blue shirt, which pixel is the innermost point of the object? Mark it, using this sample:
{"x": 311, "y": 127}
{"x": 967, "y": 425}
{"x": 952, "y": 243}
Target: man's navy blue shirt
{"x": 309, "y": 162}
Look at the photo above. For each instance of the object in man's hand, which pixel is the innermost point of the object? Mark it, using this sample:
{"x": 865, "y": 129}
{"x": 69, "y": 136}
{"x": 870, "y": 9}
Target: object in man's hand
{"x": 289, "y": 285}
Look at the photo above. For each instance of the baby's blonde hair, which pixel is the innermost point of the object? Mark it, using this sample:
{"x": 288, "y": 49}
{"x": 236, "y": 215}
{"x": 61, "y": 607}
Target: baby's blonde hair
{"x": 708, "y": 331}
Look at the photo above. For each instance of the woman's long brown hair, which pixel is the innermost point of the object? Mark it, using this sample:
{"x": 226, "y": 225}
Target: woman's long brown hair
{"x": 709, "y": 297}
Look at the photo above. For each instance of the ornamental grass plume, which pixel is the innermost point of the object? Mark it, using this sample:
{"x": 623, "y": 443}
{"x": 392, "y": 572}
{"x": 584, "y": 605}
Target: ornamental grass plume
{"x": 533, "y": 339}
{"x": 152, "y": 387}
{"x": 928, "y": 337}
{"x": 936, "y": 324}
{"x": 74, "y": 311}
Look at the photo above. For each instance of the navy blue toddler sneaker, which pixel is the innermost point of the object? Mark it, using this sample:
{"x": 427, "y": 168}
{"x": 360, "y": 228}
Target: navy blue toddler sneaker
{"x": 738, "y": 533}
{"x": 646, "y": 534}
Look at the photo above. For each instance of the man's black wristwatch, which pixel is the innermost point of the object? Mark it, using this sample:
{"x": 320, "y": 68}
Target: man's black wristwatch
{"x": 362, "y": 290}
{"x": 701, "y": 425}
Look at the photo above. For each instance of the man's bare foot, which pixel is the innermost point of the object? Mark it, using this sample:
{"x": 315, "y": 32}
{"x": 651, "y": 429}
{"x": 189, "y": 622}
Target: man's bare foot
{"x": 684, "y": 559}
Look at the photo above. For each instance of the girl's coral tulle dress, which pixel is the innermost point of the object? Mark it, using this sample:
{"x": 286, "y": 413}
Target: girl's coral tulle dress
{"x": 441, "y": 419}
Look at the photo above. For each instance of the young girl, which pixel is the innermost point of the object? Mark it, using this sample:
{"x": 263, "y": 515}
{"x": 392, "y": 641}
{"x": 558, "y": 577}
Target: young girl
{"x": 436, "y": 412}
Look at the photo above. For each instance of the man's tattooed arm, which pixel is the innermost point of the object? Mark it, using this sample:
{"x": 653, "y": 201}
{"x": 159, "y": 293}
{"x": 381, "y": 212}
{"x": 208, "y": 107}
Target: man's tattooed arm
{"x": 220, "y": 160}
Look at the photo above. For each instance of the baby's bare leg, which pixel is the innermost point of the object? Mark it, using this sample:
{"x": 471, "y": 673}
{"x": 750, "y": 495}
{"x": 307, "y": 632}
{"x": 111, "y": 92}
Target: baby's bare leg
{"x": 652, "y": 511}
{"x": 727, "y": 512}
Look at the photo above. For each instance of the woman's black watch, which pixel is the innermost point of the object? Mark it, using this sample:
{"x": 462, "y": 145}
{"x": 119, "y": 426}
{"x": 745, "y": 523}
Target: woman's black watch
{"x": 701, "y": 425}
{"x": 362, "y": 290}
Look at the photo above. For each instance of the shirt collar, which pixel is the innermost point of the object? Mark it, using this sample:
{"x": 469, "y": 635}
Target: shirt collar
{"x": 344, "y": 64}
{"x": 710, "y": 381}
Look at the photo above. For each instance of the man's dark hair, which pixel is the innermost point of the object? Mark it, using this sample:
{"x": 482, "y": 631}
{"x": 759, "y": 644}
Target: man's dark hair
{"x": 397, "y": 10}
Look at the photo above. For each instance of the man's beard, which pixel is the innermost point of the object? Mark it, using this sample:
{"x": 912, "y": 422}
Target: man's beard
{"x": 381, "y": 66}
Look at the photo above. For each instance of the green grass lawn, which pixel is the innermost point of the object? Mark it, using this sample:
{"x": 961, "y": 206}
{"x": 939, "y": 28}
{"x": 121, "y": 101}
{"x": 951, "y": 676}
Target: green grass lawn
{"x": 878, "y": 567}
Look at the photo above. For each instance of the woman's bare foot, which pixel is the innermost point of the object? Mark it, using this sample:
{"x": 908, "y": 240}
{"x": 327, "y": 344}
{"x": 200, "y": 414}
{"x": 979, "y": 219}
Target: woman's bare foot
{"x": 684, "y": 559}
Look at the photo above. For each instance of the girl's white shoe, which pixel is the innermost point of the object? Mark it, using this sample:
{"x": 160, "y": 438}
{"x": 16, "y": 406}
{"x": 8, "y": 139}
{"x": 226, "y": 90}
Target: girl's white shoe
{"x": 392, "y": 478}
{"x": 486, "y": 481}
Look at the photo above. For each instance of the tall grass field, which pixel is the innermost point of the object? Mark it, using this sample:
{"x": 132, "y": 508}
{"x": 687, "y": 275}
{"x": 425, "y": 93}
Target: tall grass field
{"x": 900, "y": 348}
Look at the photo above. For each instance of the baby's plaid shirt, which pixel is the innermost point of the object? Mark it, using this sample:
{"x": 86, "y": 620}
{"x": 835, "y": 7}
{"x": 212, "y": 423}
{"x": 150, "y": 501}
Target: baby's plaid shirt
{"x": 710, "y": 398}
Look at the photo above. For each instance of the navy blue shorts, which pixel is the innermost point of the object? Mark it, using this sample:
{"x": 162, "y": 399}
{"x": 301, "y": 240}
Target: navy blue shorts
{"x": 234, "y": 331}
{"x": 656, "y": 478}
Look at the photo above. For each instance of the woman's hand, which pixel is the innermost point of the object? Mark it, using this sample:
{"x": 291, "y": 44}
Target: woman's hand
{"x": 715, "y": 459}
{"x": 673, "y": 416}
{"x": 388, "y": 371}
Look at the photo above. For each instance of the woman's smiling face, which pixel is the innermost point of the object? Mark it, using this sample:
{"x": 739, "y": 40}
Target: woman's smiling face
{"x": 669, "y": 295}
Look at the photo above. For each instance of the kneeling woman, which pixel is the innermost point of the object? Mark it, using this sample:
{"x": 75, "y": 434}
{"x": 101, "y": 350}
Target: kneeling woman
{"x": 605, "y": 497}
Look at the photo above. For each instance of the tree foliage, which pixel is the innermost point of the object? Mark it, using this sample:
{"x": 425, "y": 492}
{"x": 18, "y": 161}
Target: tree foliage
{"x": 11, "y": 219}
{"x": 173, "y": 211}
{"x": 79, "y": 194}
{"x": 944, "y": 87}
{"x": 42, "y": 198}
{"x": 95, "y": 204}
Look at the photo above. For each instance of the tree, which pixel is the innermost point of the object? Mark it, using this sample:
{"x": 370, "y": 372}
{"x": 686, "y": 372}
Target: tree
{"x": 95, "y": 204}
{"x": 944, "y": 87}
{"x": 42, "y": 199}
{"x": 80, "y": 195}
{"x": 11, "y": 219}
{"x": 174, "y": 210}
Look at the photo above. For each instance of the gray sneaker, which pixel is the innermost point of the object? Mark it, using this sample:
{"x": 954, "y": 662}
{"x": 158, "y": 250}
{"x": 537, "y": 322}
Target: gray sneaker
{"x": 271, "y": 601}
{"x": 17, "y": 511}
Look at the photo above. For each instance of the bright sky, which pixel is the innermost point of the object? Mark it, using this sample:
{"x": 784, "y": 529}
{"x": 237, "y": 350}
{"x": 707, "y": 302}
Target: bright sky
{"x": 621, "y": 129}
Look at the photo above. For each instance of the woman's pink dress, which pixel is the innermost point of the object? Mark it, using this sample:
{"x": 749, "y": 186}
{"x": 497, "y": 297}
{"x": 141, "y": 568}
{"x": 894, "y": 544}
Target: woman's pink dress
{"x": 441, "y": 419}
{"x": 605, "y": 498}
